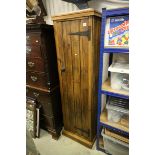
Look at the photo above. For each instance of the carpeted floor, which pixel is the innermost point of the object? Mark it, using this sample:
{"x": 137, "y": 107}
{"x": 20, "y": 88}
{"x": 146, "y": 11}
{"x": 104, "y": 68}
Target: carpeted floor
{"x": 64, "y": 146}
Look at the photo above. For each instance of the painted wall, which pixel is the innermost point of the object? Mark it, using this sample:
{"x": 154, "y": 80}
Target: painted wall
{"x": 55, "y": 7}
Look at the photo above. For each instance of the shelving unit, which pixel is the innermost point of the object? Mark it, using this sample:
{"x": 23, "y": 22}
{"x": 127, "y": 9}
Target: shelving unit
{"x": 117, "y": 126}
{"x": 105, "y": 88}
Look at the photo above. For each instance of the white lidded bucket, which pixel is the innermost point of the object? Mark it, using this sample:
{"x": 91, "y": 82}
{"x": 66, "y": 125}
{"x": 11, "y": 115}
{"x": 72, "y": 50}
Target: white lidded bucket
{"x": 119, "y": 76}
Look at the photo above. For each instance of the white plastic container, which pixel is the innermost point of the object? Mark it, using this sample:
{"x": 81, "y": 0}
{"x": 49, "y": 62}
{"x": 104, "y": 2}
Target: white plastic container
{"x": 116, "y": 113}
{"x": 119, "y": 76}
{"x": 120, "y": 58}
{"x": 114, "y": 146}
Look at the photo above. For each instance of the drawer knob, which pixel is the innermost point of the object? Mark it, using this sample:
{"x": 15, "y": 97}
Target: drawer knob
{"x": 34, "y": 78}
{"x": 27, "y": 37}
{"x": 37, "y": 41}
{"x": 35, "y": 94}
{"x": 31, "y": 106}
{"x": 31, "y": 64}
{"x": 28, "y": 50}
{"x": 48, "y": 83}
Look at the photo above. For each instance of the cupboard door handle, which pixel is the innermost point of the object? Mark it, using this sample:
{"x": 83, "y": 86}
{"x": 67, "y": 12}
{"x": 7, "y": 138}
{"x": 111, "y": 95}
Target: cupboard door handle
{"x": 34, "y": 78}
{"x": 86, "y": 33}
{"x": 63, "y": 68}
{"x": 35, "y": 94}
{"x": 62, "y": 65}
{"x": 31, "y": 64}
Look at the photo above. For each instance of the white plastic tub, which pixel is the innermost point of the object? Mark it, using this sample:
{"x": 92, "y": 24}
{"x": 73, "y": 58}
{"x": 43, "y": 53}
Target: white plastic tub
{"x": 115, "y": 113}
{"x": 119, "y": 76}
{"x": 114, "y": 146}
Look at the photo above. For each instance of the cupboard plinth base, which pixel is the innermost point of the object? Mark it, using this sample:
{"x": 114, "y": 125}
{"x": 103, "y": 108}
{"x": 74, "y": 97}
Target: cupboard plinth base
{"x": 81, "y": 140}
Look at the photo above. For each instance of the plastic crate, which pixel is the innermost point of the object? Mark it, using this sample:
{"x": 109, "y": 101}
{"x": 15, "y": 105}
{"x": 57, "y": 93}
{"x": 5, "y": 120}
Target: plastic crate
{"x": 114, "y": 146}
{"x": 117, "y": 108}
{"x": 119, "y": 76}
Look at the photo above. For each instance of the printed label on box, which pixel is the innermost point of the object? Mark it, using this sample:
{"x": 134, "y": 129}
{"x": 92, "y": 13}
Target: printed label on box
{"x": 117, "y": 31}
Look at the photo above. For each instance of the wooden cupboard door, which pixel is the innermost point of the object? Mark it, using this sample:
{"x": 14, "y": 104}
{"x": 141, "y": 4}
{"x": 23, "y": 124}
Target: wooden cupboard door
{"x": 67, "y": 78}
{"x": 80, "y": 51}
{"x": 72, "y": 53}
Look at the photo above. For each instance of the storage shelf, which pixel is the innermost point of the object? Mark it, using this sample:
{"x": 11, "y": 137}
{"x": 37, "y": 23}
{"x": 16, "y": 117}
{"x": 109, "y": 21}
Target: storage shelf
{"x": 117, "y": 126}
{"x": 116, "y": 136}
{"x": 107, "y": 90}
{"x": 116, "y": 50}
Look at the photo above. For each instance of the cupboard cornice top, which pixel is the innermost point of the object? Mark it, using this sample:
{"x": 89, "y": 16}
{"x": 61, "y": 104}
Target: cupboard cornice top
{"x": 76, "y": 14}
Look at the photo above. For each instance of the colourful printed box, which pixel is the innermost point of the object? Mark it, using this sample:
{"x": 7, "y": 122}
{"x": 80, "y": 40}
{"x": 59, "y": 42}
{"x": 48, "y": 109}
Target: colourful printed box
{"x": 117, "y": 31}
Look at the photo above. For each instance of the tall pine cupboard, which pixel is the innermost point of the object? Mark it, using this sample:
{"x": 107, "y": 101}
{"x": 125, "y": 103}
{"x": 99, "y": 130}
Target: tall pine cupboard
{"x": 77, "y": 37}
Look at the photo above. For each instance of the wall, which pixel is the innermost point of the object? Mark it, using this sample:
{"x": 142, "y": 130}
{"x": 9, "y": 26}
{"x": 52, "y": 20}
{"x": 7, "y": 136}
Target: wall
{"x": 55, "y": 7}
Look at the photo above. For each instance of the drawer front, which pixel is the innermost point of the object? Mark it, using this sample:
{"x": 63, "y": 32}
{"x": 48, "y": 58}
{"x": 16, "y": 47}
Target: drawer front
{"x": 47, "y": 122}
{"x": 37, "y": 79}
{"x": 35, "y": 64}
{"x": 33, "y": 39}
{"x": 33, "y": 51}
{"x": 44, "y": 99}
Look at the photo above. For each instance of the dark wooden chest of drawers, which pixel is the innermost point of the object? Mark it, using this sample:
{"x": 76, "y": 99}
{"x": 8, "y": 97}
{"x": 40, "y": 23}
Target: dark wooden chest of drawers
{"x": 42, "y": 76}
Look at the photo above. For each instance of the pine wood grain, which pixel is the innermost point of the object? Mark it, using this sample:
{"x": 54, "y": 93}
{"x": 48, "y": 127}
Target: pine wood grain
{"x": 96, "y": 22}
{"x": 76, "y": 14}
{"x": 76, "y": 75}
{"x": 80, "y": 56}
{"x": 81, "y": 140}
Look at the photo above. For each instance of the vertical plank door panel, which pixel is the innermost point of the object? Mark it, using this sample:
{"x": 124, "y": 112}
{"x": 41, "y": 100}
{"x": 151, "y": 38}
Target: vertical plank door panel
{"x": 80, "y": 50}
{"x": 76, "y": 74}
{"x": 68, "y": 89}
{"x": 84, "y": 25}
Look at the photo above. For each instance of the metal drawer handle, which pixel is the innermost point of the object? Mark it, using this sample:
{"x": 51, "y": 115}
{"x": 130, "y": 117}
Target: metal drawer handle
{"x": 27, "y": 37}
{"x": 28, "y": 50}
{"x": 35, "y": 94}
{"x": 48, "y": 83}
{"x": 34, "y": 78}
{"x": 31, "y": 64}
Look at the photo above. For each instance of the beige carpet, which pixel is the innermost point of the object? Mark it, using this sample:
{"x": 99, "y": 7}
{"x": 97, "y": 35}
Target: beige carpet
{"x": 64, "y": 146}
